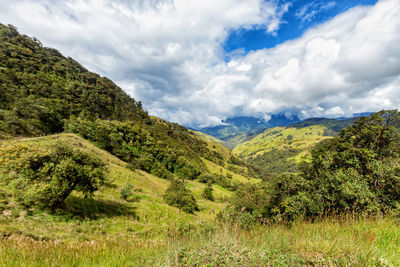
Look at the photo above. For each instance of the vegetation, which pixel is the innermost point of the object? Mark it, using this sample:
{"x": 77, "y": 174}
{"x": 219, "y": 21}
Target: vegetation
{"x": 331, "y": 242}
{"x": 177, "y": 195}
{"x": 126, "y": 191}
{"x": 208, "y": 192}
{"x": 46, "y": 176}
{"x": 280, "y": 149}
{"x": 39, "y": 88}
{"x": 356, "y": 172}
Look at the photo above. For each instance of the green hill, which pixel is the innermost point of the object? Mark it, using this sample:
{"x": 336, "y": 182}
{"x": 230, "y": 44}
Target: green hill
{"x": 239, "y": 129}
{"x": 42, "y": 93}
{"x": 333, "y": 126}
{"x": 280, "y": 149}
{"x": 39, "y": 88}
{"x": 144, "y": 214}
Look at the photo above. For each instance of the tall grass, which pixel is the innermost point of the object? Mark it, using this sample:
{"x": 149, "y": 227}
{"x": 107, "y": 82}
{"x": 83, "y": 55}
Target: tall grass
{"x": 328, "y": 242}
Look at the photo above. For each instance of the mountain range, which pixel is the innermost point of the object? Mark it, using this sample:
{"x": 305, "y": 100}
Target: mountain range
{"x": 237, "y": 130}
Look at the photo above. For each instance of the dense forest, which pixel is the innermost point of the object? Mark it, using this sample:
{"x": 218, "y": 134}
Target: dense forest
{"x": 40, "y": 88}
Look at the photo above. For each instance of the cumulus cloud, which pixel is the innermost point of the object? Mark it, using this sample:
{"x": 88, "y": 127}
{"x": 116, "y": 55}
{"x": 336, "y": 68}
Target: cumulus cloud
{"x": 169, "y": 55}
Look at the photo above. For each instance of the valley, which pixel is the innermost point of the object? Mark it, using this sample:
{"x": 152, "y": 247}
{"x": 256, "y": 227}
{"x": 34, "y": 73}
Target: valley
{"x": 89, "y": 178}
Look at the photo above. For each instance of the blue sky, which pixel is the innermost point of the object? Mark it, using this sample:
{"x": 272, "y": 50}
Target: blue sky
{"x": 199, "y": 62}
{"x": 301, "y": 15}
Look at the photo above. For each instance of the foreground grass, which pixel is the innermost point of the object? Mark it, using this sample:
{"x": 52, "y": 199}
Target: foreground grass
{"x": 331, "y": 242}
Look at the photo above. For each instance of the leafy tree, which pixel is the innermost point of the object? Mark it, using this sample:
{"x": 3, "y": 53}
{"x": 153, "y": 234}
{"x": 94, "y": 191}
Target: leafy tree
{"x": 46, "y": 176}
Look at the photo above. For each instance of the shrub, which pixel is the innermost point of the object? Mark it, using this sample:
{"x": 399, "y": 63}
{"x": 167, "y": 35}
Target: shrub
{"x": 206, "y": 178}
{"x": 177, "y": 195}
{"x": 45, "y": 176}
{"x": 208, "y": 192}
{"x": 126, "y": 191}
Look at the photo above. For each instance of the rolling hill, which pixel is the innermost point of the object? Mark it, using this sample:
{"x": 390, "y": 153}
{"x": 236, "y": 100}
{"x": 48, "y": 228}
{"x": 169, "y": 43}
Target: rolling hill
{"x": 280, "y": 149}
{"x": 239, "y": 129}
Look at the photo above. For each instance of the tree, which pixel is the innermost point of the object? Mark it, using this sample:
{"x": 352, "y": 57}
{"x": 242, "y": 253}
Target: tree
{"x": 47, "y": 176}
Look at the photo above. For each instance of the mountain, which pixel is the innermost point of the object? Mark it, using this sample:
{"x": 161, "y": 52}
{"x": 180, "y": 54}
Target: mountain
{"x": 42, "y": 93}
{"x": 238, "y": 129}
{"x": 281, "y": 149}
{"x": 332, "y": 125}
{"x": 39, "y": 88}
{"x": 241, "y": 129}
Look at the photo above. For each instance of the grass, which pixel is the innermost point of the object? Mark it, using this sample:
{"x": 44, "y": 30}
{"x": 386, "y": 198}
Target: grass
{"x": 107, "y": 211}
{"x": 144, "y": 231}
{"x": 280, "y": 149}
{"x": 281, "y": 138}
{"x": 330, "y": 242}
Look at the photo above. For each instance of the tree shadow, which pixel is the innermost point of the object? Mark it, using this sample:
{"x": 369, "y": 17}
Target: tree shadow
{"x": 94, "y": 208}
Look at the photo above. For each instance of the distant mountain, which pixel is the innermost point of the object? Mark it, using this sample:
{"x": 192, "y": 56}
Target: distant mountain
{"x": 240, "y": 128}
{"x": 237, "y": 130}
{"x": 281, "y": 149}
{"x": 333, "y": 126}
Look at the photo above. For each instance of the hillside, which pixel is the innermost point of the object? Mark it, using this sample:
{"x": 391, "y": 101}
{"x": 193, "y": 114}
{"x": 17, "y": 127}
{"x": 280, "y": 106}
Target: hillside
{"x": 280, "y": 149}
{"x": 45, "y": 93}
{"x": 333, "y": 126}
{"x": 239, "y": 129}
{"x": 144, "y": 214}
{"x": 39, "y": 88}
{"x": 143, "y": 231}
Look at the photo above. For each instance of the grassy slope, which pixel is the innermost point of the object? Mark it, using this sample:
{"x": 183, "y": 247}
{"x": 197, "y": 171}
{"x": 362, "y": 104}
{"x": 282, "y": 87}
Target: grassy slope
{"x": 217, "y": 145}
{"x": 208, "y": 138}
{"x": 288, "y": 144}
{"x": 107, "y": 231}
{"x": 147, "y": 215}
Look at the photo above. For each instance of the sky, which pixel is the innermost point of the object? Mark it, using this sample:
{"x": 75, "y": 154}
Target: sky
{"x": 200, "y": 62}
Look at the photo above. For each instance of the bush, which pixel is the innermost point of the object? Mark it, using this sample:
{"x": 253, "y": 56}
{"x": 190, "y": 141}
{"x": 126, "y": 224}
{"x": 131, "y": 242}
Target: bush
{"x": 177, "y": 195}
{"x": 126, "y": 191}
{"x": 206, "y": 178}
{"x": 45, "y": 176}
{"x": 208, "y": 192}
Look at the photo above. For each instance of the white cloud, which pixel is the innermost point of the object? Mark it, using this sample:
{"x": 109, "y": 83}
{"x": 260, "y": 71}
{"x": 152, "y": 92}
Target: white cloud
{"x": 310, "y": 10}
{"x": 348, "y": 65}
{"x": 169, "y": 55}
